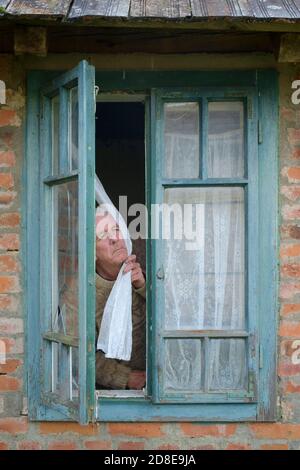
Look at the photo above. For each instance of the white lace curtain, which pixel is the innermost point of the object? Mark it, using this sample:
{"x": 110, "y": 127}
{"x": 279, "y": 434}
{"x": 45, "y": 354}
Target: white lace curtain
{"x": 204, "y": 288}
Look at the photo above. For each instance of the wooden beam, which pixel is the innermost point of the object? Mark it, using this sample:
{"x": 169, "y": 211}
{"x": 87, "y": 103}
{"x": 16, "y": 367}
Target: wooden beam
{"x": 50, "y": 8}
{"x": 289, "y": 50}
{"x": 30, "y": 40}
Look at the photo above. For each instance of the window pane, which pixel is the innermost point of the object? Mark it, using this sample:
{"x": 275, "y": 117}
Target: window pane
{"x": 181, "y": 140}
{"x": 227, "y": 365}
{"x": 65, "y": 258}
{"x": 75, "y": 373}
{"x": 61, "y": 368}
{"x": 182, "y": 365}
{"x": 225, "y": 157}
{"x": 204, "y": 271}
{"x": 73, "y": 129}
{"x": 55, "y": 134}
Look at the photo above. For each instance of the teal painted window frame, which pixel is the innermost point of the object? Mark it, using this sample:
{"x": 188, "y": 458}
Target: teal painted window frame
{"x": 203, "y": 96}
{"x": 264, "y": 86}
{"x": 43, "y": 401}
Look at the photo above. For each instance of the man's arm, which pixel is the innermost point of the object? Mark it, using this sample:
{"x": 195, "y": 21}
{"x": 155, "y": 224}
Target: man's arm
{"x": 111, "y": 373}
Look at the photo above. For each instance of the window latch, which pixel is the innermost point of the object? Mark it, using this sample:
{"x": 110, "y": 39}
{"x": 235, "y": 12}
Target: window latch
{"x": 160, "y": 273}
{"x": 96, "y": 91}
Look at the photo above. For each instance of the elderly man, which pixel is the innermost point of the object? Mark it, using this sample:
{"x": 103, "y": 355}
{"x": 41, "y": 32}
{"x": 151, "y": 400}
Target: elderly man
{"x": 111, "y": 253}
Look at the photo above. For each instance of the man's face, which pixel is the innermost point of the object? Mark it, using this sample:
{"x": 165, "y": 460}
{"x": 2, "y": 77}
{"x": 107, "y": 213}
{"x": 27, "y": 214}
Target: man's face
{"x": 110, "y": 246}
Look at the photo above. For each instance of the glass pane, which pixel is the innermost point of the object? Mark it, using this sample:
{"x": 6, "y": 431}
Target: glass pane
{"x": 61, "y": 367}
{"x": 65, "y": 258}
{"x": 182, "y": 365}
{"x": 181, "y": 140}
{"x": 225, "y": 157}
{"x": 73, "y": 129}
{"x": 55, "y": 134}
{"x": 204, "y": 258}
{"x": 228, "y": 364}
{"x": 75, "y": 373}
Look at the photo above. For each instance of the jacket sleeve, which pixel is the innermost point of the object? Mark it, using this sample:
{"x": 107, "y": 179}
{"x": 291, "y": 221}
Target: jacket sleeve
{"x": 141, "y": 291}
{"x": 111, "y": 373}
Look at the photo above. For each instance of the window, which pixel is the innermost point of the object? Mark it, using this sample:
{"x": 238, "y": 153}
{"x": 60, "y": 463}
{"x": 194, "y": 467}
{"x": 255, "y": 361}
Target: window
{"x": 211, "y": 308}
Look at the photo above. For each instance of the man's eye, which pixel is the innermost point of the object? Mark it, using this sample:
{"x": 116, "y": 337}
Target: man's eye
{"x": 102, "y": 235}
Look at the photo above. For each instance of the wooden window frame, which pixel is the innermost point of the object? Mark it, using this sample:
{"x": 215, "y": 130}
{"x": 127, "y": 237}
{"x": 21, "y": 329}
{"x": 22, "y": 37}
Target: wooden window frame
{"x": 264, "y": 86}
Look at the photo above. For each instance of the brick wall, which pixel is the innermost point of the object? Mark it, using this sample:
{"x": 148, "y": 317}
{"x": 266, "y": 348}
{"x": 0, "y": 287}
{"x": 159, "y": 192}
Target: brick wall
{"x": 15, "y": 430}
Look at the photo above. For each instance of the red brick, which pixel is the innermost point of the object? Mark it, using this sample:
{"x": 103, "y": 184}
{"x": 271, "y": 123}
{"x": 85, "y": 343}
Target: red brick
{"x": 135, "y": 429}
{"x": 289, "y": 328}
{"x": 207, "y": 447}
{"x": 9, "y": 241}
{"x": 293, "y": 173}
{"x": 291, "y": 212}
{"x": 274, "y": 447}
{"x": 276, "y": 431}
{"x": 9, "y": 284}
{"x": 290, "y": 251}
{"x": 9, "y": 263}
{"x": 131, "y": 446}
{"x": 293, "y": 136}
{"x": 202, "y": 430}
{"x": 11, "y": 326}
{"x": 290, "y": 309}
{"x": 291, "y": 192}
{"x": 290, "y": 231}
{"x": 3, "y": 446}
{"x": 289, "y": 290}
{"x": 14, "y": 425}
{"x": 7, "y": 159}
{"x": 287, "y": 348}
{"x": 290, "y": 270}
{"x": 289, "y": 387}
{"x": 10, "y": 366}
{"x": 6, "y": 198}
{"x": 29, "y": 445}
{"x": 8, "y": 139}
{"x": 62, "y": 445}
{"x": 167, "y": 447}
{"x": 8, "y": 117}
{"x": 287, "y": 370}
{"x": 6, "y": 181}
{"x": 10, "y": 220}
{"x": 8, "y": 303}
{"x": 234, "y": 446}
{"x": 61, "y": 427}
{"x": 98, "y": 445}
{"x": 287, "y": 113}
{"x": 9, "y": 384}
{"x": 13, "y": 346}
{"x": 296, "y": 154}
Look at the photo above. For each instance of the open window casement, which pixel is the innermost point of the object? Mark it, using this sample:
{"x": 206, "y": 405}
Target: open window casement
{"x": 67, "y": 153}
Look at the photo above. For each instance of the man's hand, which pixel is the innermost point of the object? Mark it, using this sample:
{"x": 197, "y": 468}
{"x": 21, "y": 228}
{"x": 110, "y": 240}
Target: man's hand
{"x": 137, "y": 276}
{"x": 137, "y": 380}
